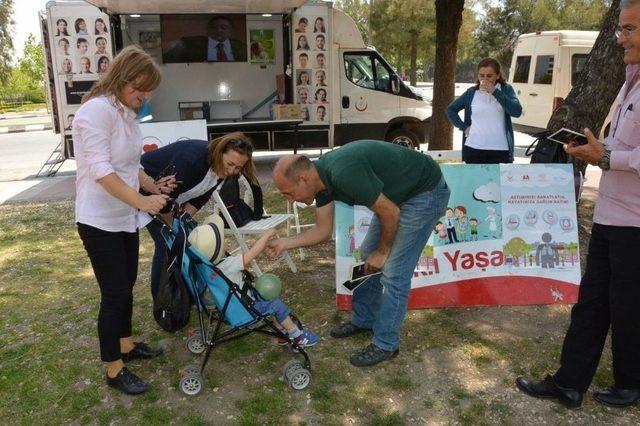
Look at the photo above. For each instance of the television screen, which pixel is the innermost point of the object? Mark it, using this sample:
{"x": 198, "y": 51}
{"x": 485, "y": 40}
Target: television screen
{"x": 203, "y": 38}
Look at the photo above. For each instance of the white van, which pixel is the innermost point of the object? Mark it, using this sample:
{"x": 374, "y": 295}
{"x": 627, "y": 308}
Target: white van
{"x": 543, "y": 69}
{"x": 349, "y": 92}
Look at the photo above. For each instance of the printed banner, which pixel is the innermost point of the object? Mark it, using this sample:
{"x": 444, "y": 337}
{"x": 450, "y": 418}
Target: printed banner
{"x": 508, "y": 237}
{"x": 311, "y": 65}
{"x": 81, "y": 51}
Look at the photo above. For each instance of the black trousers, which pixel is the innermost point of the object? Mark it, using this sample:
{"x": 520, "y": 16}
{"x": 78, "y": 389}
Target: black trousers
{"x": 609, "y": 297}
{"x": 484, "y": 156}
{"x": 114, "y": 258}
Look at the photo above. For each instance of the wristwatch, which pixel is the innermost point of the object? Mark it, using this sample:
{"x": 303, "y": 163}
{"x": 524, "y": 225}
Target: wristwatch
{"x": 604, "y": 161}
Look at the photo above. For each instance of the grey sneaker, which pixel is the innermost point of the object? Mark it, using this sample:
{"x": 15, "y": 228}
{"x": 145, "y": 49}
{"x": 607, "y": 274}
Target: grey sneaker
{"x": 372, "y": 355}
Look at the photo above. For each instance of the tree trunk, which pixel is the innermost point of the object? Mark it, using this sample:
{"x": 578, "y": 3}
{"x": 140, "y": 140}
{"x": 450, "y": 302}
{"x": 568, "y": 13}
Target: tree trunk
{"x": 369, "y": 33}
{"x": 588, "y": 103}
{"x": 413, "y": 57}
{"x": 448, "y": 21}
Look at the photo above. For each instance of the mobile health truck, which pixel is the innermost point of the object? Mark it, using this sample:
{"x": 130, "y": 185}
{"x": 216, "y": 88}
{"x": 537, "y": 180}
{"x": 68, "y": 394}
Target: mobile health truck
{"x": 290, "y": 73}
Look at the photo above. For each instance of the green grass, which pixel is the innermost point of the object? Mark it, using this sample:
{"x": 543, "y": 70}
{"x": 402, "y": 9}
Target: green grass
{"x": 27, "y": 107}
{"x": 455, "y": 365}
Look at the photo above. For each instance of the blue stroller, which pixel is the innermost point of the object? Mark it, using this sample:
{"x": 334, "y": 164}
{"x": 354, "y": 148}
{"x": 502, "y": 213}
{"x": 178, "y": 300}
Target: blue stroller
{"x": 234, "y": 315}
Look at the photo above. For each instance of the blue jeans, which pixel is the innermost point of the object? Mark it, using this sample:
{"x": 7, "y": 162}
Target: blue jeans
{"x": 159, "y": 254}
{"x": 381, "y": 302}
{"x": 275, "y": 307}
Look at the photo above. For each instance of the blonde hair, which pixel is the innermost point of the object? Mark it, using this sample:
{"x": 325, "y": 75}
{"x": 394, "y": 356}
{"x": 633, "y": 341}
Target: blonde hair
{"x": 238, "y": 142}
{"x": 131, "y": 65}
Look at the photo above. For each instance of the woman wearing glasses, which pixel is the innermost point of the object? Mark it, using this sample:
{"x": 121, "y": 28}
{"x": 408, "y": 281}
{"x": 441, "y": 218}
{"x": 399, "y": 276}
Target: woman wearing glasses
{"x": 199, "y": 167}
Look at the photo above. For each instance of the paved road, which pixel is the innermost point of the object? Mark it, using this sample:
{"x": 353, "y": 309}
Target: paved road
{"x": 24, "y": 153}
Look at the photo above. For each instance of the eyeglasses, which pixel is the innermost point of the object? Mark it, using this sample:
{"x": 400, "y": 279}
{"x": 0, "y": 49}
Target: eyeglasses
{"x": 628, "y": 32}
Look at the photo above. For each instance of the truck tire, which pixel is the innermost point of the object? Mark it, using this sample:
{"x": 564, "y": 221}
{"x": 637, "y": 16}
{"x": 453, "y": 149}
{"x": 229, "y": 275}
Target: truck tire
{"x": 403, "y": 137}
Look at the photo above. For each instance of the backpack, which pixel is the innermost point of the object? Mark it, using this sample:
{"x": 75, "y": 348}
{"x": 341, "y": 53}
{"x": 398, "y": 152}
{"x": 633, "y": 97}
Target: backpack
{"x": 543, "y": 150}
{"x": 172, "y": 301}
{"x": 241, "y": 213}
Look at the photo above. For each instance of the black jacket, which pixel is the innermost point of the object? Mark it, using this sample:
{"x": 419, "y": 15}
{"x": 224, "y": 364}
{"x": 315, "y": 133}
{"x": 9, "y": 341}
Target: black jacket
{"x": 189, "y": 157}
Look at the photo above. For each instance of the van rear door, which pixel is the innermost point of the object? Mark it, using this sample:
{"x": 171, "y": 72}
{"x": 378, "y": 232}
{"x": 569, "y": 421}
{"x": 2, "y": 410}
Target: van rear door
{"x": 520, "y": 82}
{"x": 541, "y": 92}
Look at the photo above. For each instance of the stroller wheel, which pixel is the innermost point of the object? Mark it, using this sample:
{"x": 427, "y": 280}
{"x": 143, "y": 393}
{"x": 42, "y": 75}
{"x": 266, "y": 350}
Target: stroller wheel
{"x": 299, "y": 378}
{"x": 195, "y": 344}
{"x": 190, "y": 369}
{"x": 290, "y": 366}
{"x": 191, "y": 384}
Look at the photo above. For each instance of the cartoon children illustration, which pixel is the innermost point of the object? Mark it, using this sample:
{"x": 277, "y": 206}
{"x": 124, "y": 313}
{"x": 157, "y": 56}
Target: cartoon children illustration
{"x": 357, "y": 255}
{"x": 450, "y": 224}
{"x": 492, "y": 220}
{"x": 352, "y": 239}
{"x": 440, "y": 232}
{"x": 462, "y": 224}
{"x": 546, "y": 252}
{"x": 473, "y": 228}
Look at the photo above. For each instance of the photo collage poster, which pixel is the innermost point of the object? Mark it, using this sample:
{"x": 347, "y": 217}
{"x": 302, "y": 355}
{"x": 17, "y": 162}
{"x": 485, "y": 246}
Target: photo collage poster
{"x": 508, "y": 237}
{"x": 82, "y": 50}
{"x": 311, "y": 53}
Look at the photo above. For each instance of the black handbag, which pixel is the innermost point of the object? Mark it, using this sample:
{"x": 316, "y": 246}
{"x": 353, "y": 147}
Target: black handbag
{"x": 172, "y": 301}
{"x": 543, "y": 150}
{"x": 241, "y": 213}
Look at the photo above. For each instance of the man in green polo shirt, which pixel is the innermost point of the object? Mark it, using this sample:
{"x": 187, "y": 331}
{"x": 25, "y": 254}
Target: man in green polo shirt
{"x": 407, "y": 194}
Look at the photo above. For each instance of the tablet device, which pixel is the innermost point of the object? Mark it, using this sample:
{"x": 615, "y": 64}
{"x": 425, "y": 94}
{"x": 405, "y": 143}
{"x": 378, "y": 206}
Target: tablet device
{"x": 565, "y": 136}
{"x": 357, "y": 276}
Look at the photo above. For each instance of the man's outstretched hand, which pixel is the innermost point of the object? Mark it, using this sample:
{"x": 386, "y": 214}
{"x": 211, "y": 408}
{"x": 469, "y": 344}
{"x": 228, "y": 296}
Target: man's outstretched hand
{"x": 275, "y": 247}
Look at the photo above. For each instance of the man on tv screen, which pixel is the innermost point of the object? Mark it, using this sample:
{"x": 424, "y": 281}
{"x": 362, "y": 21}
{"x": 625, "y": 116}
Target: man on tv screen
{"x": 217, "y": 46}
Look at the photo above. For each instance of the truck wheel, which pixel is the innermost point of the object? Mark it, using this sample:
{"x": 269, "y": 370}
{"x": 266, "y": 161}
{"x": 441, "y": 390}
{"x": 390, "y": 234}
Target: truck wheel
{"x": 404, "y": 137}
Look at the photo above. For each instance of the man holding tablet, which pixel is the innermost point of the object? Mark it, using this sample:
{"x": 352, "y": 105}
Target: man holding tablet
{"x": 609, "y": 291}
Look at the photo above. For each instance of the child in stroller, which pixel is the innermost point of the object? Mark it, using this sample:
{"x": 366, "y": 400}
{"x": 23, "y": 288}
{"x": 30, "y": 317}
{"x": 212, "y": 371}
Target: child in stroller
{"x": 234, "y": 267}
{"x": 223, "y": 291}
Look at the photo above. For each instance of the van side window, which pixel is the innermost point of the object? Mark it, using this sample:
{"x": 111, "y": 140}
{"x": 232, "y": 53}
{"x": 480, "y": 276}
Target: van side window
{"x": 383, "y": 80}
{"x": 544, "y": 70}
{"x": 521, "y": 74}
{"x": 367, "y": 70}
{"x": 578, "y": 61}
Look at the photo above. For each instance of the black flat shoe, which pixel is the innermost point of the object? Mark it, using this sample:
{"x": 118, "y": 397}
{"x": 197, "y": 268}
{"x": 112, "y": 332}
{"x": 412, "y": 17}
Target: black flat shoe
{"x": 141, "y": 351}
{"x": 127, "y": 382}
{"x": 616, "y": 397}
{"x": 347, "y": 330}
{"x": 372, "y": 355}
{"x": 549, "y": 389}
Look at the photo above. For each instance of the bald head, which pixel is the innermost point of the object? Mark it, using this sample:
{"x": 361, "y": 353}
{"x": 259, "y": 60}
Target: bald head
{"x": 291, "y": 167}
{"x": 296, "y": 178}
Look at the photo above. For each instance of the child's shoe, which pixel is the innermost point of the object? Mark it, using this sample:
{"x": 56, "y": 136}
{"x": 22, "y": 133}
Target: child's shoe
{"x": 306, "y": 339}
{"x": 282, "y": 341}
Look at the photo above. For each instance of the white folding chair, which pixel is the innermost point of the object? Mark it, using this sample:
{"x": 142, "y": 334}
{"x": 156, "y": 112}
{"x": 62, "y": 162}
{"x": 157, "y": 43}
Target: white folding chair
{"x": 295, "y": 208}
{"x": 254, "y": 227}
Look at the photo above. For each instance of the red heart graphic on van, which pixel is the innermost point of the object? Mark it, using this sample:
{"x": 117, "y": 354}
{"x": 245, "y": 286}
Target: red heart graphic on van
{"x": 149, "y": 147}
